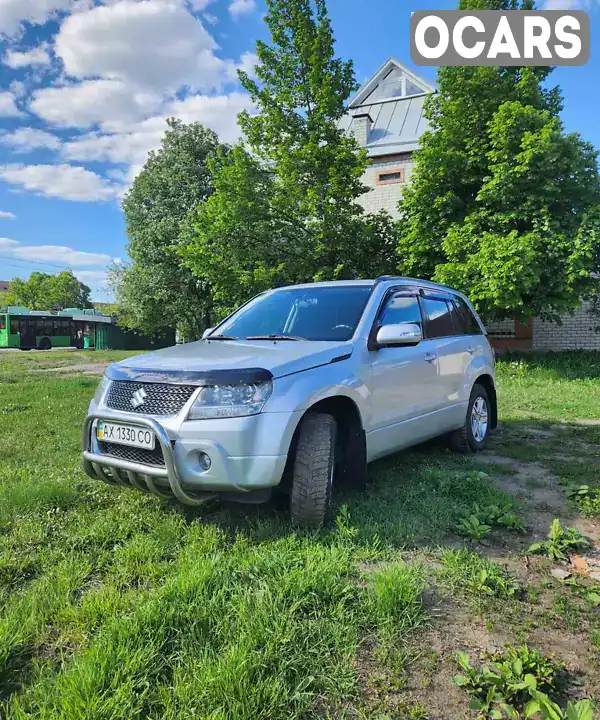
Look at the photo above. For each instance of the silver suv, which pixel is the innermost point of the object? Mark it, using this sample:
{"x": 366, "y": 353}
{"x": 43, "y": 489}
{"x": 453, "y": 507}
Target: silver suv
{"x": 301, "y": 387}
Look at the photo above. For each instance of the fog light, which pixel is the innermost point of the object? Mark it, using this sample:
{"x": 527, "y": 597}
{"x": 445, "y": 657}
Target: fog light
{"x": 204, "y": 462}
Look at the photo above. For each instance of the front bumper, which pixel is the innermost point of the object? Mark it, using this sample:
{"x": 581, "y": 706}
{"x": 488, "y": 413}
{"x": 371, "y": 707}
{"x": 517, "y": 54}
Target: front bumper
{"x": 230, "y": 444}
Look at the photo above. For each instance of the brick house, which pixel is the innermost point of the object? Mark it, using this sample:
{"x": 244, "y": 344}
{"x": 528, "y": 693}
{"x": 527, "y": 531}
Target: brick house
{"x": 386, "y": 117}
{"x": 4, "y": 285}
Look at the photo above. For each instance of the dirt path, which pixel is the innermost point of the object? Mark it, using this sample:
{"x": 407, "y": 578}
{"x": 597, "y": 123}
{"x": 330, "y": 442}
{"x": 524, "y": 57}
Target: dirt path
{"x": 84, "y": 368}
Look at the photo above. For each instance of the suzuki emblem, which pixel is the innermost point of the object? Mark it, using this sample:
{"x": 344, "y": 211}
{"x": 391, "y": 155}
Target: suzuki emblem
{"x": 139, "y": 397}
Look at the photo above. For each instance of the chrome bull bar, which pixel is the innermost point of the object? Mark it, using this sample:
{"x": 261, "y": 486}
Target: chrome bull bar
{"x": 115, "y": 471}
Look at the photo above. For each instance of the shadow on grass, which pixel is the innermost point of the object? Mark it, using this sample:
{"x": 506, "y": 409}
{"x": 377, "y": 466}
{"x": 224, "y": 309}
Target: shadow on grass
{"x": 413, "y": 498}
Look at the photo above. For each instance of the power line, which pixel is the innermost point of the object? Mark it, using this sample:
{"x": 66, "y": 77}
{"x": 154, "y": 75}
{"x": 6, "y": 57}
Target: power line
{"x": 33, "y": 262}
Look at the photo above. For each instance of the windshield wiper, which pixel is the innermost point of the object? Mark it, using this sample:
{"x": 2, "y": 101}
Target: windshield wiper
{"x": 293, "y": 338}
{"x": 221, "y": 337}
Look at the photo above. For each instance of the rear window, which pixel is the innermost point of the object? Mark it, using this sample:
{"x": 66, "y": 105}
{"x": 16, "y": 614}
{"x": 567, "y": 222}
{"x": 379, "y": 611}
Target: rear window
{"x": 469, "y": 324}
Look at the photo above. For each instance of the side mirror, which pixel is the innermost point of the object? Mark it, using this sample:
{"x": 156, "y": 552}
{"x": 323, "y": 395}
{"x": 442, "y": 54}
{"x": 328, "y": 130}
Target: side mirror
{"x": 207, "y": 332}
{"x": 400, "y": 334}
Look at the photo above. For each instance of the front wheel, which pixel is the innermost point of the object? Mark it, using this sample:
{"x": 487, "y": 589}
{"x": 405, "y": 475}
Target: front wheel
{"x": 313, "y": 470}
{"x": 473, "y": 435}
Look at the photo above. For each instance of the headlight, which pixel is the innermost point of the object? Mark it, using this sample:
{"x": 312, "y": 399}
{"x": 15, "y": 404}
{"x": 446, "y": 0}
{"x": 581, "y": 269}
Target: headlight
{"x": 225, "y": 401}
{"x": 101, "y": 389}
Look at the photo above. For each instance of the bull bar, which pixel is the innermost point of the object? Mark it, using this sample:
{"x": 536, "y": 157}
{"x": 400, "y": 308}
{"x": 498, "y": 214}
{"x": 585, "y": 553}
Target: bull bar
{"x": 115, "y": 471}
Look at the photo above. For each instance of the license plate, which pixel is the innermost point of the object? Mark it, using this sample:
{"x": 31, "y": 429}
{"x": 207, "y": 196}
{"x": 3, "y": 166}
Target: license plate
{"x": 125, "y": 435}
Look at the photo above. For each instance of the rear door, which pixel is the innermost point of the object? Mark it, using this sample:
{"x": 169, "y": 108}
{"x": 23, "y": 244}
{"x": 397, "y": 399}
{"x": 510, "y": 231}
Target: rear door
{"x": 404, "y": 380}
{"x": 443, "y": 326}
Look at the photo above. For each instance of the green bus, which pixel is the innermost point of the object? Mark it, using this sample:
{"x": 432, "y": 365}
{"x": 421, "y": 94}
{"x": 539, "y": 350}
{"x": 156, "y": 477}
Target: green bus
{"x": 35, "y": 329}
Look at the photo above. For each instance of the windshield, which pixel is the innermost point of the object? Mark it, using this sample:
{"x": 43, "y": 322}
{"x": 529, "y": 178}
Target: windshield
{"x": 319, "y": 313}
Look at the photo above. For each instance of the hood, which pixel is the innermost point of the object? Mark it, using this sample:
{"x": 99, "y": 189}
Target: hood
{"x": 278, "y": 357}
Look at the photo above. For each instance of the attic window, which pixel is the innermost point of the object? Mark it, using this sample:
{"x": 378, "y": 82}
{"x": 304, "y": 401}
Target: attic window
{"x": 390, "y": 177}
{"x": 396, "y": 84}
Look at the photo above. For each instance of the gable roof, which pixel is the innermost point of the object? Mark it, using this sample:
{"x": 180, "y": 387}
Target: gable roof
{"x": 393, "y": 98}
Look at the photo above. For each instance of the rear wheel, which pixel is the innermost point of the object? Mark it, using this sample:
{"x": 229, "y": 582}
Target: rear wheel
{"x": 45, "y": 344}
{"x": 473, "y": 435}
{"x": 313, "y": 470}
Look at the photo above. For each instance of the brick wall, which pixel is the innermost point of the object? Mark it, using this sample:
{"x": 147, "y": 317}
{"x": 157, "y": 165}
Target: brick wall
{"x": 504, "y": 328}
{"x": 385, "y": 197}
{"x": 576, "y": 333}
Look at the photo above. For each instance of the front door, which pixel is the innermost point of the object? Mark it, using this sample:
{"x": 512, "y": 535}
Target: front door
{"x": 404, "y": 382}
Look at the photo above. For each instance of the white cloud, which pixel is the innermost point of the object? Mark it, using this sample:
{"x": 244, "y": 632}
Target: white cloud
{"x": 151, "y": 44}
{"x": 26, "y": 139}
{"x": 18, "y": 88}
{"x": 247, "y": 63}
{"x": 95, "y": 278}
{"x": 112, "y": 104}
{"x": 7, "y": 215}
{"x": 13, "y": 13}
{"x": 8, "y": 106}
{"x": 36, "y": 56}
{"x": 210, "y": 18}
{"x": 67, "y": 182}
{"x": 241, "y": 7}
{"x": 54, "y": 254}
{"x": 131, "y": 148}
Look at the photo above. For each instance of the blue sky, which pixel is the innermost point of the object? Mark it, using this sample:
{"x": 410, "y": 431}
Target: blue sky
{"x": 85, "y": 87}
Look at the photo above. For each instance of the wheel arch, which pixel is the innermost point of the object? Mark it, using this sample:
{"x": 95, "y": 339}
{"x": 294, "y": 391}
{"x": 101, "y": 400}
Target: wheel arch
{"x": 351, "y": 443}
{"x": 488, "y": 383}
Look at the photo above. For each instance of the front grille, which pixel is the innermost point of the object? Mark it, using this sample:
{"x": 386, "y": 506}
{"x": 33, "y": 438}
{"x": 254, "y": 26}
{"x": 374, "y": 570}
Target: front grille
{"x": 132, "y": 454}
{"x": 158, "y": 399}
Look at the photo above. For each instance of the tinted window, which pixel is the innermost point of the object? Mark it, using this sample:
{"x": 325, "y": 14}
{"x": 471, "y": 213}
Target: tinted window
{"x": 2, "y": 322}
{"x": 439, "y": 318}
{"x": 319, "y": 313}
{"x": 401, "y": 309}
{"x": 468, "y": 321}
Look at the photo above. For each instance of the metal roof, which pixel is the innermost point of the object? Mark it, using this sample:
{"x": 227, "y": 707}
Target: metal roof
{"x": 397, "y": 123}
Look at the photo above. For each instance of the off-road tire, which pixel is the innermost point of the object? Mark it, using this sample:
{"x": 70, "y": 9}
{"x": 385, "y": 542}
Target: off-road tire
{"x": 312, "y": 476}
{"x": 463, "y": 440}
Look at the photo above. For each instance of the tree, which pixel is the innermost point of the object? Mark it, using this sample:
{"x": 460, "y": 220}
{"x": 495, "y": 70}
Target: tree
{"x": 285, "y": 205}
{"x": 42, "y": 291}
{"x": 156, "y": 290}
{"x": 503, "y": 205}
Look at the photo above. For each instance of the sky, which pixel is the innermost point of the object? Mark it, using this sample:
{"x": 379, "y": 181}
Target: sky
{"x": 86, "y": 86}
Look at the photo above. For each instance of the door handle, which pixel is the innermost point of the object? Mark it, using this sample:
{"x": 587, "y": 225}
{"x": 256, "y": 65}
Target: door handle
{"x": 430, "y": 357}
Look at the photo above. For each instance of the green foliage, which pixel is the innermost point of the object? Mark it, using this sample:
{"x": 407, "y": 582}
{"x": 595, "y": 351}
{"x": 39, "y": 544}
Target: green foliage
{"x": 467, "y": 571}
{"x": 560, "y": 542}
{"x": 285, "y": 206}
{"x": 586, "y": 498}
{"x": 473, "y": 528}
{"x": 42, "y": 291}
{"x": 503, "y": 204}
{"x": 156, "y": 290}
{"x": 499, "y": 515}
{"x": 517, "y": 684}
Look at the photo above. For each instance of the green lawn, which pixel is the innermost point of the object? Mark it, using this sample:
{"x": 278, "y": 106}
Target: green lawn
{"x": 117, "y": 605}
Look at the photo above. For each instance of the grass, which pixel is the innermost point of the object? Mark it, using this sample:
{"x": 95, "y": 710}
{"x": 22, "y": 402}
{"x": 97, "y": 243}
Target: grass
{"x": 116, "y": 605}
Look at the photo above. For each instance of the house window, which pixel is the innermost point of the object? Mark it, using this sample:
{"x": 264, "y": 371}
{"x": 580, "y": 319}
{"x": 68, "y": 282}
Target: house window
{"x": 389, "y": 177}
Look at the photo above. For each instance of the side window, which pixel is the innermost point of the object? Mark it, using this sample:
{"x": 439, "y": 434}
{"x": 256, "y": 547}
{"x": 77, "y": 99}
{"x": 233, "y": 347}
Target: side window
{"x": 469, "y": 323}
{"x": 439, "y": 317}
{"x": 401, "y": 309}
{"x": 2, "y": 322}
